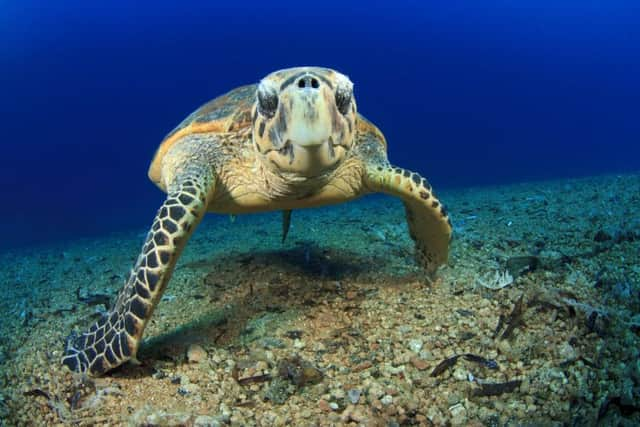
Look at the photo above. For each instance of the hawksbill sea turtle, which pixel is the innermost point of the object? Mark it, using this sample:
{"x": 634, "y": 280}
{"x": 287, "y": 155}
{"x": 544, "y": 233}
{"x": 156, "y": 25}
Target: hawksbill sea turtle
{"x": 295, "y": 140}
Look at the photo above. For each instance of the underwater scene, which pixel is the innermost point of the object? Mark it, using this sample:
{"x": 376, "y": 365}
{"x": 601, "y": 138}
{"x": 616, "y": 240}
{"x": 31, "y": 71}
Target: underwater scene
{"x": 334, "y": 213}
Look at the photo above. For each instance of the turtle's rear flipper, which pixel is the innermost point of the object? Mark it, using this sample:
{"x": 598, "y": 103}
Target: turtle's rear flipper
{"x": 115, "y": 338}
{"x": 286, "y": 222}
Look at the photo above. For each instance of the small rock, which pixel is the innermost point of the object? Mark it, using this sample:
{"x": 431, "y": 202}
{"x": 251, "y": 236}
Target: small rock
{"x": 375, "y": 391}
{"x": 364, "y": 365}
{"x": 519, "y": 265}
{"x": 352, "y": 413}
{"x": 354, "y": 395}
{"x": 294, "y": 334}
{"x": 196, "y": 354}
{"x": 159, "y": 374}
{"x": 334, "y": 406}
{"x": 188, "y": 389}
{"x": 299, "y": 372}
{"x": 405, "y": 329}
{"x": 460, "y": 374}
{"x": 386, "y": 400}
{"x": 324, "y": 405}
{"x": 601, "y": 236}
{"x": 419, "y": 364}
{"x": 427, "y": 355}
{"x": 567, "y": 352}
{"x": 504, "y": 347}
{"x": 270, "y": 342}
{"x": 225, "y": 412}
{"x": 166, "y": 418}
{"x": 206, "y": 421}
{"x": 415, "y": 345}
{"x": 458, "y": 414}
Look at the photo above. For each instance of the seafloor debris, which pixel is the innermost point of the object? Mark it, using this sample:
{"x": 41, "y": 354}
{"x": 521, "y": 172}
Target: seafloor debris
{"x": 497, "y": 281}
{"x": 94, "y": 299}
{"x": 72, "y": 406}
{"x": 625, "y": 408}
{"x": 451, "y": 361}
{"x": 299, "y": 371}
{"x": 513, "y": 319}
{"x": 487, "y": 363}
{"x": 196, "y": 354}
{"x": 516, "y": 266}
{"x": 442, "y": 366}
{"x": 496, "y": 389}
{"x": 254, "y": 379}
{"x": 292, "y": 373}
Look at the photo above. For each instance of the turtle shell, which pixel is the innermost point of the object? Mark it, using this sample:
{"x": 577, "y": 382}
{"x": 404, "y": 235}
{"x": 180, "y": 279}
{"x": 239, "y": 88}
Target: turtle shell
{"x": 230, "y": 112}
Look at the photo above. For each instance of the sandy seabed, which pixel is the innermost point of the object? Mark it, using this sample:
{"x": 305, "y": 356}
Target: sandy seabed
{"x": 339, "y": 326}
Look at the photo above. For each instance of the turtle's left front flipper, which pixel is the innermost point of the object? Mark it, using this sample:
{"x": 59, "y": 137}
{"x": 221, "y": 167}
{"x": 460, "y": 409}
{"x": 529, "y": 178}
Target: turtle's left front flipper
{"x": 429, "y": 224}
{"x": 115, "y": 338}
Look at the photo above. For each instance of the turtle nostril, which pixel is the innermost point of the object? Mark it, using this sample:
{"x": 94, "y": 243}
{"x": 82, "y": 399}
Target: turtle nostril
{"x": 308, "y": 82}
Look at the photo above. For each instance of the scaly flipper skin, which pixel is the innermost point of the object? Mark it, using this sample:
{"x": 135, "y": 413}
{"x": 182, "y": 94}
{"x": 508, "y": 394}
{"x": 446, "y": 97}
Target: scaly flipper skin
{"x": 114, "y": 339}
{"x": 427, "y": 218}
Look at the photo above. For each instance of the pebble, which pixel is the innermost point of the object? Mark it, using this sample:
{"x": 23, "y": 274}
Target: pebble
{"x": 188, "y": 389}
{"x": 419, "y": 364}
{"x": 427, "y": 355}
{"x": 354, "y": 395}
{"x": 206, "y": 421}
{"x": 324, "y": 405}
{"x": 405, "y": 329}
{"x": 567, "y": 352}
{"x": 458, "y": 414}
{"x": 166, "y": 418}
{"x": 460, "y": 374}
{"x": 415, "y": 345}
{"x": 196, "y": 354}
{"x": 504, "y": 347}
{"x": 352, "y": 413}
{"x": 338, "y": 393}
{"x": 225, "y": 412}
{"x": 375, "y": 391}
{"x": 387, "y": 400}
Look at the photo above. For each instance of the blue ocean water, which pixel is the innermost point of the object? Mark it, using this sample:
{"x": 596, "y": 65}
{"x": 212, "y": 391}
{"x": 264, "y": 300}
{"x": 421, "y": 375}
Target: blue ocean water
{"x": 467, "y": 93}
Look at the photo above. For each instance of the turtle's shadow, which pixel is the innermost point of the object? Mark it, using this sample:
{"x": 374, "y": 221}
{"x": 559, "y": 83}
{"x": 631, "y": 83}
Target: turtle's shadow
{"x": 315, "y": 262}
{"x": 312, "y": 276}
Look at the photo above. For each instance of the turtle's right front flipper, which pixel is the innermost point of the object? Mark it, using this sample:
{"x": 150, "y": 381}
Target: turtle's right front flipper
{"x": 115, "y": 338}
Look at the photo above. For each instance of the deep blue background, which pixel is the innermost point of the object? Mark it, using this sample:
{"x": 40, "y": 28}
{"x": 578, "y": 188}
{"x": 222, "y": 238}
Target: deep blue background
{"x": 466, "y": 92}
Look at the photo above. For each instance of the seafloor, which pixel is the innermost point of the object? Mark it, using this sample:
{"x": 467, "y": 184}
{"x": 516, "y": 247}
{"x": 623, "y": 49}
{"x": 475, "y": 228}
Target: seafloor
{"x": 338, "y": 326}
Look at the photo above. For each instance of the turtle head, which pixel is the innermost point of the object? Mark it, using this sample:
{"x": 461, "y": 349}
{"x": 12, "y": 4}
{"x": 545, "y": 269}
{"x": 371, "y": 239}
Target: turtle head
{"x": 304, "y": 120}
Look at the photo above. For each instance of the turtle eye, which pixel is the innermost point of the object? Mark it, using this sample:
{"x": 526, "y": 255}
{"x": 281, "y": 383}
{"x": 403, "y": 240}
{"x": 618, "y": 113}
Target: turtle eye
{"x": 344, "y": 94}
{"x": 267, "y": 100}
